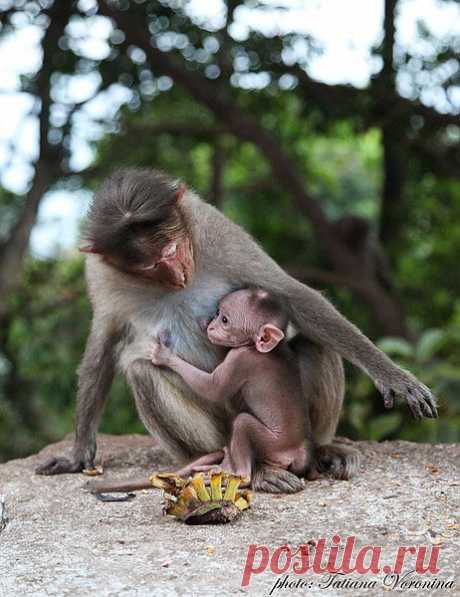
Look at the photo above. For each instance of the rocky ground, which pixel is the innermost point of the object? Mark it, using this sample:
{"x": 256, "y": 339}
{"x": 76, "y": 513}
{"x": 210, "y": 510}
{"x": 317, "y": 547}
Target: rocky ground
{"x": 56, "y": 539}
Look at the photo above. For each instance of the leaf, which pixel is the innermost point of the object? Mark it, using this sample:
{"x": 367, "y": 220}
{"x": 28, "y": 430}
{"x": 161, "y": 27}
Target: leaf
{"x": 445, "y": 371}
{"x": 429, "y": 344}
{"x": 396, "y": 346}
{"x": 357, "y": 415}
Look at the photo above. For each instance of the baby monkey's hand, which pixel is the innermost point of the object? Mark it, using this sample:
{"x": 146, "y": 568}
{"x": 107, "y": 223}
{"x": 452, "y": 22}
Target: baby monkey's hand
{"x": 159, "y": 353}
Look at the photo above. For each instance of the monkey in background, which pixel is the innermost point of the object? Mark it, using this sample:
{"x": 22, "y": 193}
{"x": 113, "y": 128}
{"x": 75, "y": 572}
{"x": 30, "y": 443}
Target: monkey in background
{"x": 159, "y": 257}
{"x": 273, "y": 425}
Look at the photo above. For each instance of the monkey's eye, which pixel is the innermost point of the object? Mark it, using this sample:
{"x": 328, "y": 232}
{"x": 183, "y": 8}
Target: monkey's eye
{"x": 217, "y": 313}
{"x": 224, "y": 319}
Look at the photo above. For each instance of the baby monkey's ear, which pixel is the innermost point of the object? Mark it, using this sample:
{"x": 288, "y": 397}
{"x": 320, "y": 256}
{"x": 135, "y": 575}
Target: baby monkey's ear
{"x": 268, "y": 337}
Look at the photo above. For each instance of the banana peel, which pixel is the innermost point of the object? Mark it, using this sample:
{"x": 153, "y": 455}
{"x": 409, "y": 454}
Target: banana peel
{"x": 199, "y": 500}
{"x": 167, "y": 481}
{"x": 215, "y": 483}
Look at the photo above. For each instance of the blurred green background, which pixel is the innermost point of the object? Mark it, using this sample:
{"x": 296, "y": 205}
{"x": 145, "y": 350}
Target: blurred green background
{"x": 343, "y": 163}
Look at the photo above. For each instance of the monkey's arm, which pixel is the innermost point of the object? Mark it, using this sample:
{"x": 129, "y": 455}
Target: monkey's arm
{"x": 316, "y": 318}
{"x": 95, "y": 377}
{"x": 224, "y": 382}
{"x": 319, "y": 320}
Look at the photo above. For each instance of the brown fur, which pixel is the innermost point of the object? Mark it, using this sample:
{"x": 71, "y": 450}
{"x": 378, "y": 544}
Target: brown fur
{"x": 129, "y": 311}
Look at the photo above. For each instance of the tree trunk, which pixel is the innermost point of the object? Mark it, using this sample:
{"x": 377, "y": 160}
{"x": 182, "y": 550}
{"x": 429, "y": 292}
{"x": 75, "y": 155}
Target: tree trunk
{"x": 393, "y": 137}
{"x": 217, "y": 164}
{"x": 13, "y": 251}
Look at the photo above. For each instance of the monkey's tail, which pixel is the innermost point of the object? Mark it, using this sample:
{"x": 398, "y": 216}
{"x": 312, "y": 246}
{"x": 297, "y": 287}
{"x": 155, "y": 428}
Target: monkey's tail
{"x": 338, "y": 460}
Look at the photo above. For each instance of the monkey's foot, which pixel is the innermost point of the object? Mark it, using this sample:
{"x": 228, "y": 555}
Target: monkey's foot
{"x": 59, "y": 466}
{"x": 338, "y": 460}
{"x": 421, "y": 401}
{"x": 195, "y": 502}
{"x": 272, "y": 479}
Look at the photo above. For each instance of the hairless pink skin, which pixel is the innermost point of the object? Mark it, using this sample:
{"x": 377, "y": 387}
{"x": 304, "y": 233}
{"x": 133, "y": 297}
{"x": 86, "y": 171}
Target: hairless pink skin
{"x": 272, "y": 428}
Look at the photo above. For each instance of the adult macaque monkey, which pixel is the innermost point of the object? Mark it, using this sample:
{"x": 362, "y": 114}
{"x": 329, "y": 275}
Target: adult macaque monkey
{"x": 159, "y": 257}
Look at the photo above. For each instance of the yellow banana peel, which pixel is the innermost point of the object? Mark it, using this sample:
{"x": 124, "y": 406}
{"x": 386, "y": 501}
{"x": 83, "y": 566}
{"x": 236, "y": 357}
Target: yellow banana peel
{"x": 199, "y": 500}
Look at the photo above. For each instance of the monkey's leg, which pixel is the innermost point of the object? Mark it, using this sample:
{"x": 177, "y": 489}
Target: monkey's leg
{"x": 323, "y": 384}
{"x": 251, "y": 438}
{"x": 246, "y": 435}
{"x": 94, "y": 380}
{"x": 302, "y": 463}
{"x": 226, "y": 464}
{"x": 202, "y": 463}
{"x": 171, "y": 413}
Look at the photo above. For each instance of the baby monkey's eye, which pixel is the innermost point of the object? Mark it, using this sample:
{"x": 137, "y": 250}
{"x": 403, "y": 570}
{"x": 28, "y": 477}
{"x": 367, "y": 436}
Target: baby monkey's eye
{"x": 217, "y": 313}
{"x": 224, "y": 319}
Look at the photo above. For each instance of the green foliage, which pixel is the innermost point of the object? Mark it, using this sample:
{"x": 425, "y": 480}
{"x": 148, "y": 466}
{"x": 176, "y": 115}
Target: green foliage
{"x": 434, "y": 359}
{"x": 49, "y": 317}
{"x": 46, "y": 334}
{"x": 336, "y": 149}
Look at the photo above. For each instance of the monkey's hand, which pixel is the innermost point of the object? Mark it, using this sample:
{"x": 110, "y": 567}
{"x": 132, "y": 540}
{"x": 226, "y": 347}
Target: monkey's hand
{"x": 160, "y": 354}
{"x": 421, "y": 401}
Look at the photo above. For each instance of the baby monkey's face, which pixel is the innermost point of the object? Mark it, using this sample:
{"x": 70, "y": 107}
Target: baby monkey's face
{"x": 232, "y": 325}
{"x": 243, "y": 320}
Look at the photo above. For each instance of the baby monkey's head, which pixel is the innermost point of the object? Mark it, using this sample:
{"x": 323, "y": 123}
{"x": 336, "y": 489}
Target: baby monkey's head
{"x": 248, "y": 317}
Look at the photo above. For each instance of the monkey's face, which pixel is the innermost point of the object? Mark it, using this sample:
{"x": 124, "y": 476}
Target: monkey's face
{"x": 169, "y": 262}
{"x": 231, "y": 325}
{"x": 159, "y": 250}
{"x": 136, "y": 224}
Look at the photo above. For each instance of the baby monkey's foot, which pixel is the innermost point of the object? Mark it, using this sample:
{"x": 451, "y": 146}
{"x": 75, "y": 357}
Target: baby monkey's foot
{"x": 272, "y": 479}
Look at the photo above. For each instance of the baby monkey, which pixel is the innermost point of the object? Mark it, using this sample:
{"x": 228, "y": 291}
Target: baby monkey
{"x": 273, "y": 427}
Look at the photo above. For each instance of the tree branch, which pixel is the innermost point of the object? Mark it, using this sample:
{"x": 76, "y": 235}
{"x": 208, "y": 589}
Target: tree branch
{"x": 338, "y": 101}
{"x": 184, "y": 129}
{"x": 346, "y": 101}
{"x": 241, "y": 125}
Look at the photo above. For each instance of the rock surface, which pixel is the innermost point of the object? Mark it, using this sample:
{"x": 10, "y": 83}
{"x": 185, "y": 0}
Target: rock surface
{"x": 59, "y": 540}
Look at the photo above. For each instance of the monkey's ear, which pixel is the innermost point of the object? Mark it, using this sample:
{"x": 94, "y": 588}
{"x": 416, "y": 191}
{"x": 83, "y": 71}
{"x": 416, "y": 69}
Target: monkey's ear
{"x": 268, "y": 337}
{"x": 180, "y": 192}
{"x": 89, "y": 249}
